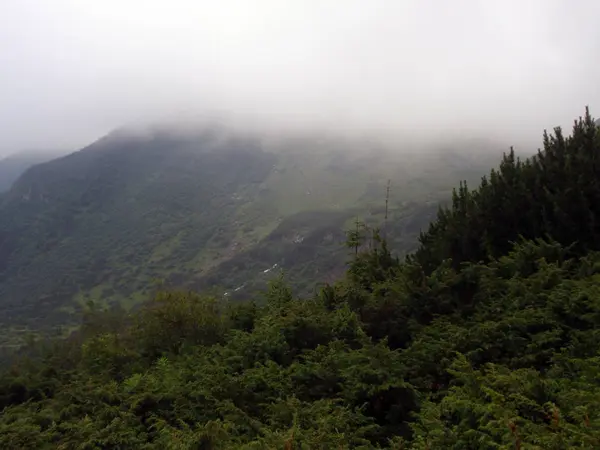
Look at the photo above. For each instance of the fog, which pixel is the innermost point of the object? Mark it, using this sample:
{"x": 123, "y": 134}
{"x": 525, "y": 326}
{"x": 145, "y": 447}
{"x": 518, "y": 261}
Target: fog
{"x": 72, "y": 70}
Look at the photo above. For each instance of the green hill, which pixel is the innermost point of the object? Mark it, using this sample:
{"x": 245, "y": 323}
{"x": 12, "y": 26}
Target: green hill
{"x": 13, "y": 166}
{"x": 212, "y": 209}
{"x": 485, "y": 337}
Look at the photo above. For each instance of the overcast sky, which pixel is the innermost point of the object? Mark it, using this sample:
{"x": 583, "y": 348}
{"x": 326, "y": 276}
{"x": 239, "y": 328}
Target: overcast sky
{"x": 72, "y": 70}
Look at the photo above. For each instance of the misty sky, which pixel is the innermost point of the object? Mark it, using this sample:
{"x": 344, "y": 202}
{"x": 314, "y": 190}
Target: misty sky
{"x": 72, "y": 70}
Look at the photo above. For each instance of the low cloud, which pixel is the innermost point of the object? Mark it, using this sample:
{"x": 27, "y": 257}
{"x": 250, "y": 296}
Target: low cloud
{"x": 73, "y": 70}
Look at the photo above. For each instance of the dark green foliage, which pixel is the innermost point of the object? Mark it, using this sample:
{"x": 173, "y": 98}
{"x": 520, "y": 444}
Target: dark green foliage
{"x": 554, "y": 194}
{"x": 487, "y": 338}
{"x": 13, "y": 166}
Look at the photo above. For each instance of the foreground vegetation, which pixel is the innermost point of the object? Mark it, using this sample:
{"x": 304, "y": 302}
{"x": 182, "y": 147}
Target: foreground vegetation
{"x": 486, "y": 337}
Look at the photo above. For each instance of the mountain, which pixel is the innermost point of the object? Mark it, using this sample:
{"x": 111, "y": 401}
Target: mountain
{"x": 213, "y": 208}
{"x": 11, "y": 167}
{"x": 485, "y": 337}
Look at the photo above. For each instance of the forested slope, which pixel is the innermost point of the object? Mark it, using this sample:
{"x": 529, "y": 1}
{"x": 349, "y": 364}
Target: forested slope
{"x": 487, "y": 337}
{"x": 13, "y": 166}
{"x": 213, "y": 208}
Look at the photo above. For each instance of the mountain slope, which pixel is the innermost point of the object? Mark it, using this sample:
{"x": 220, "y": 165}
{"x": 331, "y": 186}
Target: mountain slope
{"x": 104, "y": 210}
{"x": 499, "y": 353}
{"x": 192, "y": 210}
{"x": 13, "y": 166}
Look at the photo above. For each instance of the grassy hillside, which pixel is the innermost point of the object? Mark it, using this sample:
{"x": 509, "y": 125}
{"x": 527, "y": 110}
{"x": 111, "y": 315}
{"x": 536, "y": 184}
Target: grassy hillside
{"x": 485, "y": 338}
{"x": 310, "y": 246}
{"x": 217, "y": 208}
